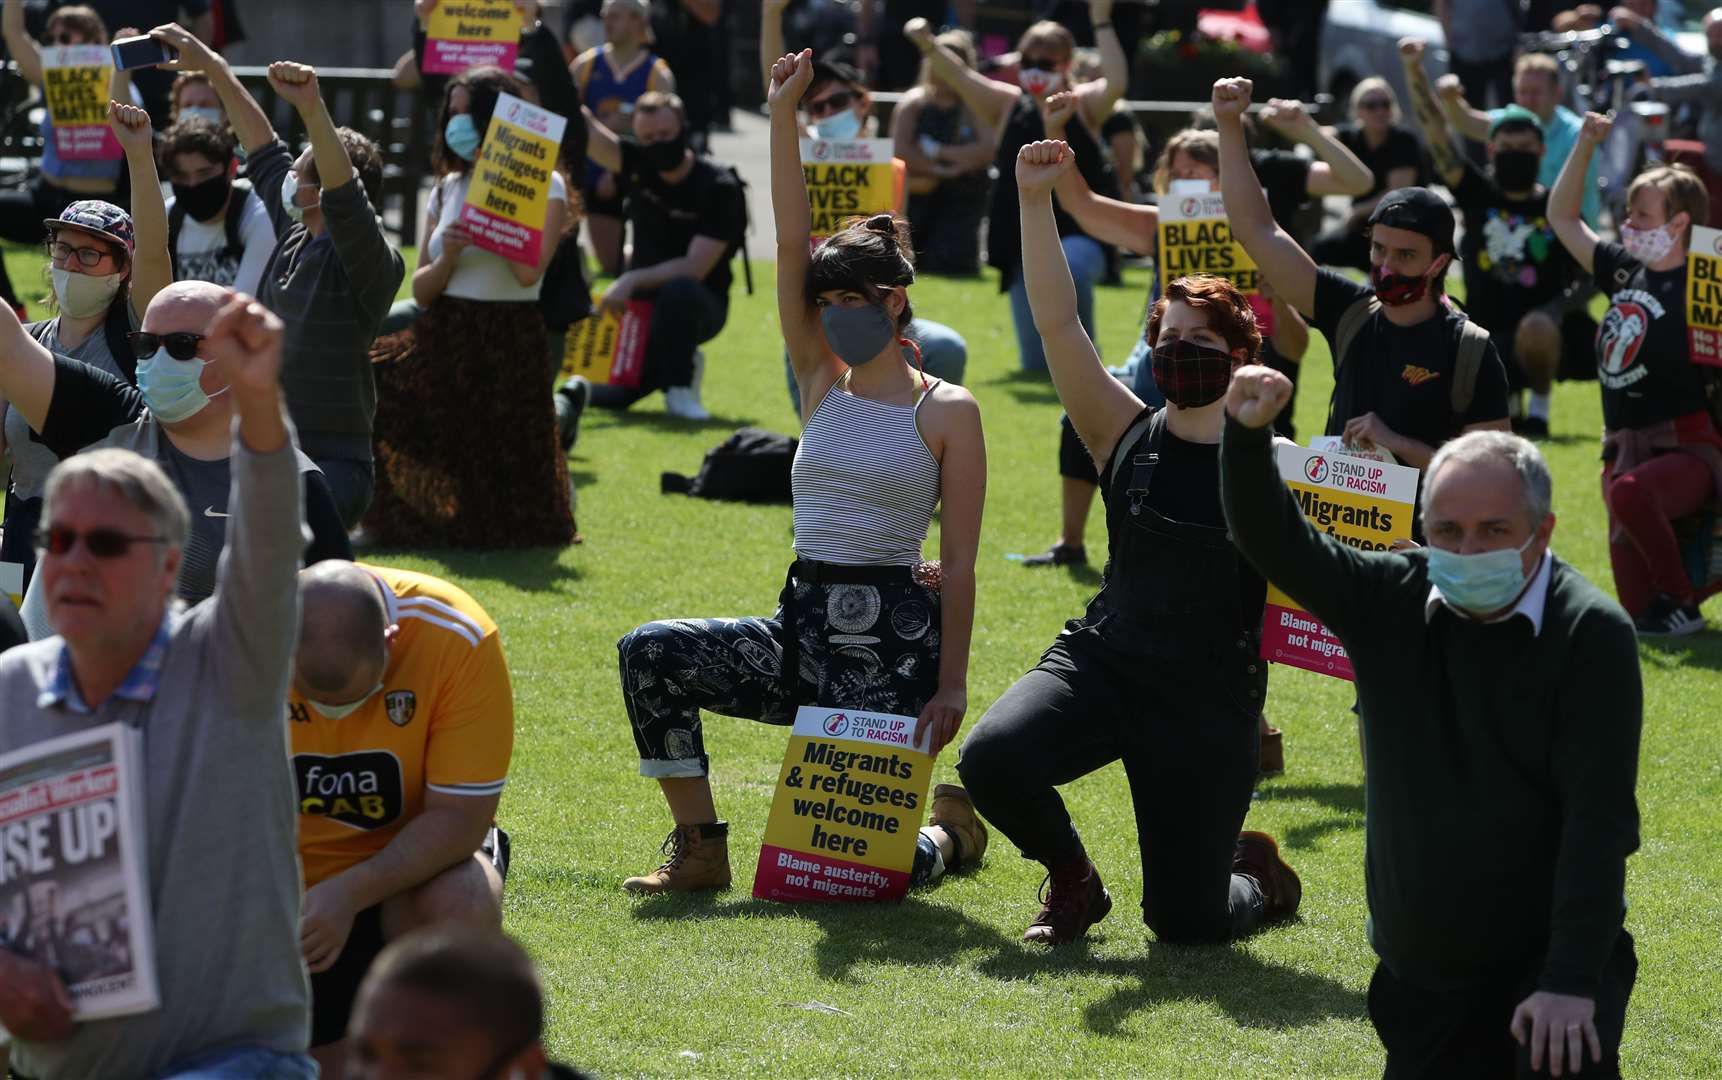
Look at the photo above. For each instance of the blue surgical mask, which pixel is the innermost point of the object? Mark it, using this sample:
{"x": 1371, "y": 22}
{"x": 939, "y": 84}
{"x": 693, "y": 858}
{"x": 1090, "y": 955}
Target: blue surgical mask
{"x": 462, "y": 136}
{"x": 171, "y": 388}
{"x": 202, "y": 112}
{"x": 1480, "y": 584}
{"x": 857, "y": 334}
{"x": 839, "y": 125}
{"x": 290, "y": 197}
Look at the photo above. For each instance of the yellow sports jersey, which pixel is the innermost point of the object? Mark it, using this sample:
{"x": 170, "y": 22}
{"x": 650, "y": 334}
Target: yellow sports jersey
{"x": 443, "y": 720}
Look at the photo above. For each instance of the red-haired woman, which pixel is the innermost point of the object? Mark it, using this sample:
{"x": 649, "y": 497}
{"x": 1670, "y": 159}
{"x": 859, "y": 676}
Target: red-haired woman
{"x": 1162, "y": 671}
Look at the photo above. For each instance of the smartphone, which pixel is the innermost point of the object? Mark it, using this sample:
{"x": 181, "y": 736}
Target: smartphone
{"x": 141, "y": 52}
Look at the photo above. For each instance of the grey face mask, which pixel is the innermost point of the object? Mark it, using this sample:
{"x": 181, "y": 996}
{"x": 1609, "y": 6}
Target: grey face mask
{"x": 857, "y": 334}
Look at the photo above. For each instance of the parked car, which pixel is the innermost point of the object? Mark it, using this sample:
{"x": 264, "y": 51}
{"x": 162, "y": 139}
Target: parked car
{"x": 1361, "y": 38}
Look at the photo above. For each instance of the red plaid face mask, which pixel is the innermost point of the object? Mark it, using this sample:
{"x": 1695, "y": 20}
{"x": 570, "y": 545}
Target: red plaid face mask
{"x": 1191, "y": 375}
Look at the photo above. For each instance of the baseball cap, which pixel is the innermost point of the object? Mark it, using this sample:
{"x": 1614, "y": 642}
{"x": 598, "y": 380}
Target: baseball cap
{"x": 1515, "y": 114}
{"x": 1418, "y": 210}
{"x": 97, "y": 218}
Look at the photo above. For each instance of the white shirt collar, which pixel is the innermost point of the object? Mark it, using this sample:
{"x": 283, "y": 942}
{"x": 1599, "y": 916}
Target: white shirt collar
{"x": 1530, "y": 605}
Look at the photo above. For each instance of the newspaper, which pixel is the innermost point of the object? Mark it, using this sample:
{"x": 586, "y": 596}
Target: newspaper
{"x": 73, "y": 893}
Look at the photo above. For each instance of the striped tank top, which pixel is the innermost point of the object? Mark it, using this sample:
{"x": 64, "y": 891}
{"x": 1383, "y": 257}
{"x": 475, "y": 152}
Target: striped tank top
{"x": 864, "y": 482}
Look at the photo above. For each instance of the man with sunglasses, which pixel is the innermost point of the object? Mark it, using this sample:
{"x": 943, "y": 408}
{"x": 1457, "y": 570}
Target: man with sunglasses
{"x": 204, "y": 685}
{"x": 179, "y": 416}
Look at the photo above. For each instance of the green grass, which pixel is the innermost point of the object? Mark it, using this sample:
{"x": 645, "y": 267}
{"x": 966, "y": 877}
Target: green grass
{"x": 938, "y": 985}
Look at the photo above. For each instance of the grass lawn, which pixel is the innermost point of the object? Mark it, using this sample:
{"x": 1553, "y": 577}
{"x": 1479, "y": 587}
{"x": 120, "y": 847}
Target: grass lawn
{"x": 939, "y": 985}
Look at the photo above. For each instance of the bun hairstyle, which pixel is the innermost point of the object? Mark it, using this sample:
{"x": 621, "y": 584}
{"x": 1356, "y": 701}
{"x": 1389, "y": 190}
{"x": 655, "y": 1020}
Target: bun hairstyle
{"x": 868, "y": 256}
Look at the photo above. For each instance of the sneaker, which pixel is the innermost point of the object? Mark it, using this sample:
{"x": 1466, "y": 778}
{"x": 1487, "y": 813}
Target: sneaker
{"x": 1258, "y": 857}
{"x": 1060, "y": 554}
{"x": 1668, "y": 618}
{"x": 696, "y": 857}
{"x": 1273, "y": 754}
{"x": 683, "y": 402}
{"x": 954, "y": 812}
{"x": 1531, "y": 427}
{"x": 1072, "y": 899}
{"x": 571, "y": 401}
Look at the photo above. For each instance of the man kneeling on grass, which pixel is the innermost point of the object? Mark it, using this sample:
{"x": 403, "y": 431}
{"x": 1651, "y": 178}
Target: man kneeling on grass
{"x": 402, "y": 725}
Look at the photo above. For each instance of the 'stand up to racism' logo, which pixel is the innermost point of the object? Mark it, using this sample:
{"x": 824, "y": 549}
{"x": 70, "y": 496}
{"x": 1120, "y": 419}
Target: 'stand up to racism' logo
{"x": 821, "y": 149}
{"x": 836, "y": 724}
{"x": 1316, "y": 469}
{"x": 1191, "y": 206}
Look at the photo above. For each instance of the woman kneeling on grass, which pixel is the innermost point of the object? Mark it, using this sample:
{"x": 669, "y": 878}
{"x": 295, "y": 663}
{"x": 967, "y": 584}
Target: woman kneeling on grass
{"x": 862, "y": 623}
{"x": 1163, "y": 669}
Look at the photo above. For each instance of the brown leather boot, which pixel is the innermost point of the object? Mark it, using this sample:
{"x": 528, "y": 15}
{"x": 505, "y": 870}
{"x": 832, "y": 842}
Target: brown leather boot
{"x": 1273, "y": 757}
{"x": 954, "y": 812}
{"x": 1072, "y": 899}
{"x": 696, "y": 857}
{"x": 1258, "y": 857}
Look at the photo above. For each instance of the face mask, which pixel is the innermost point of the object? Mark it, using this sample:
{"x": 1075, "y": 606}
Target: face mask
{"x": 1646, "y": 245}
{"x": 857, "y": 334}
{"x": 462, "y": 136}
{"x": 1479, "y": 584}
{"x": 666, "y": 155}
{"x": 203, "y": 112}
{"x": 203, "y": 200}
{"x": 341, "y": 712}
{"x": 83, "y": 296}
{"x": 1516, "y": 170}
{"x": 290, "y": 197}
{"x": 1396, "y": 289}
{"x": 1191, "y": 375}
{"x": 1038, "y": 81}
{"x": 841, "y": 125}
{"x": 172, "y": 389}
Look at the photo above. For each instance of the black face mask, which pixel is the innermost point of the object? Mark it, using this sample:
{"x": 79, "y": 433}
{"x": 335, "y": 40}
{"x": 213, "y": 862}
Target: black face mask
{"x": 666, "y": 155}
{"x": 1516, "y": 170}
{"x": 204, "y": 200}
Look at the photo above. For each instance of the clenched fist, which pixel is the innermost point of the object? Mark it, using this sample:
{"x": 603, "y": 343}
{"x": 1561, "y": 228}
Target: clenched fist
{"x": 1256, "y": 395}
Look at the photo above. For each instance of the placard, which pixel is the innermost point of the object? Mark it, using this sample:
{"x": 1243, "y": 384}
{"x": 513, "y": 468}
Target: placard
{"x": 508, "y": 198}
{"x": 847, "y": 178}
{"x": 1195, "y": 237}
{"x": 848, "y": 809}
{"x": 1364, "y": 503}
{"x": 471, "y": 33}
{"x": 608, "y": 346}
{"x": 12, "y": 582}
{"x": 1704, "y": 296}
{"x": 77, "y": 80}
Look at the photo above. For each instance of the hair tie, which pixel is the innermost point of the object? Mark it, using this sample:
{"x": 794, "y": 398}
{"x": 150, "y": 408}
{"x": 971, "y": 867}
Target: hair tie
{"x": 908, "y": 344}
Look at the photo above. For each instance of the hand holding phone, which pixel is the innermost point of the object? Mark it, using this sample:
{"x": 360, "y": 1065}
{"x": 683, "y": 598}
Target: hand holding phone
{"x": 141, "y": 52}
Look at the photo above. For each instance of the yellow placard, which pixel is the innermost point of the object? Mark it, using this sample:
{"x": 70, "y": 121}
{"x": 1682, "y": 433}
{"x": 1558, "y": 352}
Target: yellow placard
{"x": 1704, "y": 296}
{"x": 847, "y": 178}
{"x": 508, "y": 198}
{"x": 468, "y": 33}
{"x": 1195, "y": 237}
{"x": 76, "y": 81}
{"x": 12, "y": 582}
{"x": 607, "y": 347}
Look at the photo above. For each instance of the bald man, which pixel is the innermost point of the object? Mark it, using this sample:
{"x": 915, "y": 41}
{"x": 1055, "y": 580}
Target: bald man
{"x": 402, "y": 725}
{"x": 180, "y": 415}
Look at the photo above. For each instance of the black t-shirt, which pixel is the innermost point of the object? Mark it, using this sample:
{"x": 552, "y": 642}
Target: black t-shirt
{"x": 667, "y": 217}
{"x": 1403, "y": 374}
{"x": 1643, "y": 358}
{"x": 1285, "y": 177}
{"x": 1400, "y": 150}
{"x": 1513, "y": 261}
{"x": 1024, "y": 125}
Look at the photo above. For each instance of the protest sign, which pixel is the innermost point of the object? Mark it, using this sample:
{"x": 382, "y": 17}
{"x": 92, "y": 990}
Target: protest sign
{"x": 73, "y": 888}
{"x": 75, "y": 82}
{"x": 848, "y": 808}
{"x": 608, "y": 346}
{"x": 1195, "y": 237}
{"x": 508, "y": 197}
{"x": 848, "y": 178}
{"x": 1704, "y": 296}
{"x": 1364, "y": 503}
{"x": 470, "y": 33}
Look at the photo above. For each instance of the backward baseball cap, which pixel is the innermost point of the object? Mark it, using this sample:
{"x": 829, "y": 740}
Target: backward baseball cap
{"x": 1418, "y": 210}
{"x": 98, "y": 218}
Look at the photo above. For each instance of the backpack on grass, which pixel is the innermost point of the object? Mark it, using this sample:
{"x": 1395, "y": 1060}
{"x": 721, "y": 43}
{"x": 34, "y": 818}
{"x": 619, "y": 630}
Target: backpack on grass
{"x": 750, "y": 466}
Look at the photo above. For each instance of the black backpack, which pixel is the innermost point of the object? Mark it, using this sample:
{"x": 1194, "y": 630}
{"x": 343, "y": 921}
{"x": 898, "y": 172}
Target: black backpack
{"x": 750, "y": 466}
{"x": 233, "y": 246}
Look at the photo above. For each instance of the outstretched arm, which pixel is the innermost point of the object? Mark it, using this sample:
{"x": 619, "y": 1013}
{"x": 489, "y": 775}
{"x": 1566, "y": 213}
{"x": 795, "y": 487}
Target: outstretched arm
{"x": 1429, "y": 115}
{"x": 26, "y": 370}
{"x": 1289, "y": 268}
{"x": 770, "y": 37}
{"x": 1566, "y": 201}
{"x": 1110, "y": 221}
{"x": 1099, "y": 405}
{"x": 1470, "y": 123}
{"x": 1099, "y": 96}
{"x": 1337, "y": 171}
{"x": 989, "y": 100}
{"x": 602, "y": 145}
{"x": 963, "y": 487}
{"x": 19, "y": 43}
{"x": 152, "y": 267}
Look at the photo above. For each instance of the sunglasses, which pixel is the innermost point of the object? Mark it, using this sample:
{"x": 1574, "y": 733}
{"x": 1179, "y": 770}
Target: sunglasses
{"x": 102, "y": 543}
{"x": 1038, "y": 64}
{"x": 178, "y": 346}
{"x": 837, "y": 102}
{"x": 1375, "y": 104}
{"x": 62, "y": 252}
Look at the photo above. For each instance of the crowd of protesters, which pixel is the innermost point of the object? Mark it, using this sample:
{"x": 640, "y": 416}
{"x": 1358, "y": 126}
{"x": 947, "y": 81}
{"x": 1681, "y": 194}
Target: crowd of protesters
{"x": 229, "y": 397}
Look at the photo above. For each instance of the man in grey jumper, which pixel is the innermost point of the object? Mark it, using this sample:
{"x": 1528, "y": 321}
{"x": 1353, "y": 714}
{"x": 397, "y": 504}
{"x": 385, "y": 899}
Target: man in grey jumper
{"x": 333, "y": 273}
{"x": 207, "y": 687}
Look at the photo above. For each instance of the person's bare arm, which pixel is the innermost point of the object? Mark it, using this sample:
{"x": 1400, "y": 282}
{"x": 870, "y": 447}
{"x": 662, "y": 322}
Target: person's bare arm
{"x": 963, "y": 487}
{"x": 297, "y": 85}
{"x": 904, "y": 142}
{"x": 1101, "y": 94}
{"x": 431, "y": 276}
{"x": 1566, "y": 201}
{"x": 1337, "y": 171}
{"x": 246, "y": 117}
{"x": 771, "y": 37}
{"x": 1108, "y": 220}
{"x": 406, "y": 72}
{"x": 1469, "y": 122}
{"x": 1429, "y": 116}
{"x": 25, "y": 52}
{"x": 1287, "y": 266}
{"x": 1291, "y": 333}
{"x": 152, "y": 266}
{"x": 989, "y": 100}
{"x": 602, "y": 145}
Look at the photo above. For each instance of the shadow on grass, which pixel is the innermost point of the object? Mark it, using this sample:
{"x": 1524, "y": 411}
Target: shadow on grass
{"x": 916, "y": 933}
{"x": 662, "y": 421}
{"x": 529, "y": 569}
{"x": 1703, "y": 650}
{"x": 1346, "y": 798}
{"x": 1027, "y": 387}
